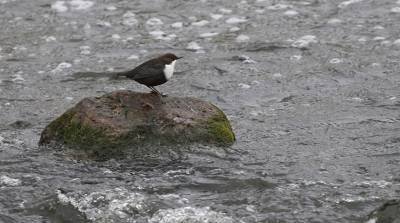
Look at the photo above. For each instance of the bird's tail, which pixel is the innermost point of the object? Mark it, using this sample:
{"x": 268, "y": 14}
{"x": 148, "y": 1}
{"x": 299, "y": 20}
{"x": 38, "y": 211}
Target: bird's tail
{"x": 117, "y": 75}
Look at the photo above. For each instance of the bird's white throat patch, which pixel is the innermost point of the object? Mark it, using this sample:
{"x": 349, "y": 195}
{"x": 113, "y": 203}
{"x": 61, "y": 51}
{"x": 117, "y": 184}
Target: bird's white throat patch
{"x": 169, "y": 70}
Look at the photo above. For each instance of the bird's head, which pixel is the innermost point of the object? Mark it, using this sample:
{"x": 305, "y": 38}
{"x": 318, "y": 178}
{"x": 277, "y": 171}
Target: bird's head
{"x": 169, "y": 58}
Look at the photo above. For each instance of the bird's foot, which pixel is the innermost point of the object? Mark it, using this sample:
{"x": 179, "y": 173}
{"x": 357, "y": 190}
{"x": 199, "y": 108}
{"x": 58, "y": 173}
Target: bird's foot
{"x": 159, "y": 93}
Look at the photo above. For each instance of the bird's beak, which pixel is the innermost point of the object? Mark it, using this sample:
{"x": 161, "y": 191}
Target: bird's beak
{"x": 179, "y": 58}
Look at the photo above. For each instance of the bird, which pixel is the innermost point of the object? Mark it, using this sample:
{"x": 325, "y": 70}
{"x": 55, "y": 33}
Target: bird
{"x": 153, "y": 72}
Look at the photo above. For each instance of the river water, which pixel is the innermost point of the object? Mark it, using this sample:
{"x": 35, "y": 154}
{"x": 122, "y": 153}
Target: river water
{"x": 311, "y": 88}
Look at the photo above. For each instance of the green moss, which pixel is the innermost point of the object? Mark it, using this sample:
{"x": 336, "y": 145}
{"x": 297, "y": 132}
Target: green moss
{"x": 220, "y": 129}
{"x": 94, "y": 142}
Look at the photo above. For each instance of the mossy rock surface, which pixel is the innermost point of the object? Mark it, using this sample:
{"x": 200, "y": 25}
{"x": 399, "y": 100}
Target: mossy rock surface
{"x": 389, "y": 212}
{"x": 119, "y": 120}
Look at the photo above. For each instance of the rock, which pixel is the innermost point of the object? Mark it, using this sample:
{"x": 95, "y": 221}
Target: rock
{"x": 387, "y": 213}
{"x": 109, "y": 124}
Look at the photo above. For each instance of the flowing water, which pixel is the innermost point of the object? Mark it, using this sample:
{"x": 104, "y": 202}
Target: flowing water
{"x": 311, "y": 88}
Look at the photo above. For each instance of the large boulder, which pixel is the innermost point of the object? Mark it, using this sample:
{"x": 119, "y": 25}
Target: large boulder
{"x": 117, "y": 121}
{"x": 389, "y": 212}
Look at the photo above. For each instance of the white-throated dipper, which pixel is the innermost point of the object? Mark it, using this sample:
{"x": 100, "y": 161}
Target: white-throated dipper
{"x": 153, "y": 72}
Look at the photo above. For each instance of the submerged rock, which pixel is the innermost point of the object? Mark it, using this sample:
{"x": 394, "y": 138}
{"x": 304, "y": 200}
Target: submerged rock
{"x": 387, "y": 213}
{"x": 119, "y": 120}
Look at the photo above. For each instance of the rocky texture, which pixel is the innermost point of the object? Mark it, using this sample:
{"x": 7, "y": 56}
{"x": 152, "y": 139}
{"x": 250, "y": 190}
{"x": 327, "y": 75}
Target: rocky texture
{"x": 387, "y": 213}
{"x": 111, "y": 123}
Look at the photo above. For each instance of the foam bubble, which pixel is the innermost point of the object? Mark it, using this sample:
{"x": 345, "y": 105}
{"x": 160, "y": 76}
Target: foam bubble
{"x": 49, "y": 38}
{"x": 335, "y": 61}
{"x": 129, "y": 19}
{"x": 378, "y": 38}
{"x": 8, "y": 181}
{"x": 193, "y": 46}
{"x": 200, "y": 23}
{"x": 111, "y": 8}
{"x": 216, "y": 16}
{"x": 242, "y": 38}
{"x": 397, "y": 42}
{"x": 225, "y": 11}
{"x": 208, "y": 35}
{"x": 296, "y": 57}
{"x": 59, "y": 6}
{"x": 334, "y": 21}
{"x": 133, "y": 57}
{"x": 116, "y": 36}
{"x": 189, "y": 214}
{"x": 234, "y": 29}
{"x": 177, "y": 25}
{"x": 347, "y": 3}
{"x": 291, "y": 13}
{"x": 395, "y": 10}
{"x": 235, "y": 20}
{"x": 81, "y": 4}
{"x": 304, "y": 41}
{"x": 278, "y": 7}
{"x": 62, "y": 66}
{"x": 154, "y": 22}
{"x": 17, "y": 78}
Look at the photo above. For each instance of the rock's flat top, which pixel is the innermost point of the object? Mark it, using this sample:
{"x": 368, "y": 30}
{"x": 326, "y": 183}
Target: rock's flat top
{"x": 123, "y": 119}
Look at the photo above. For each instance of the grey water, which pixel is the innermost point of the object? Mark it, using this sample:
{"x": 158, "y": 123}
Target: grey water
{"x": 312, "y": 89}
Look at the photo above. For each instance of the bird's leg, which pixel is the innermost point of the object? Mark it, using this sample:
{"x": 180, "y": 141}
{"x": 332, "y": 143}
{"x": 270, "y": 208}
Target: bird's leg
{"x": 156, "y": 91}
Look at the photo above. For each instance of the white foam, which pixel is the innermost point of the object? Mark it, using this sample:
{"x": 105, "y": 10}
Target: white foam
{"x": 103, "y": 23}
{"x": 59, "y": 6}
{"x": 334, "y": 21}
{"x": 244, "y": 86}
{"x": 111, "y": 8}
{"x": 62, "y": 66}
{"x": 177, "y": 25}
{"x": 335, "y": 61}
{"x": 347, "y": 3}
{"x": 17, "y": 78}
{"x": 190, "y": 214}
{"x": 395, "y": 10}
{"x": 296, "y": 57}
{"x": 216, "y": 16}
{"x": 8, "y": 181}
{"x": 278, "y": 7}
{"x": 225, "y": 11}
{"x": 200, "y": 23}
{"x": 304, "y": 41}
{"x": 85, "y": 50}
{"x": 242, "y": 38}
{"x": 397, "y": 42}
{"x": 379, "y": 38}
{"x": 158, "y": 34}
{"x": 81, "y": 4}
{"x": 117, "y": 203}
{"x": 193, "y": 46}
{"x": 378, "y": 27}
{"x": 277, "y": 75}
{"x": 362, "y": 39}
{"x": 154, "y": 22}
{"x": 49, "y": 38}
{"x": 116, "y": 36}
{"x": 372, "y": 220}
{"x": 291, "y": 13}
{"x": 133, "y": 57}
{"x": 234, "y": 29}
{"x": 208, "y": 35}
{"x": 129, "y": 19}
{"x": 235, "y": 20}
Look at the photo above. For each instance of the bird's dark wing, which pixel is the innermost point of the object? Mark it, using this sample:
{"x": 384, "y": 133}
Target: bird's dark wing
{"x": 147, "y": 69}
